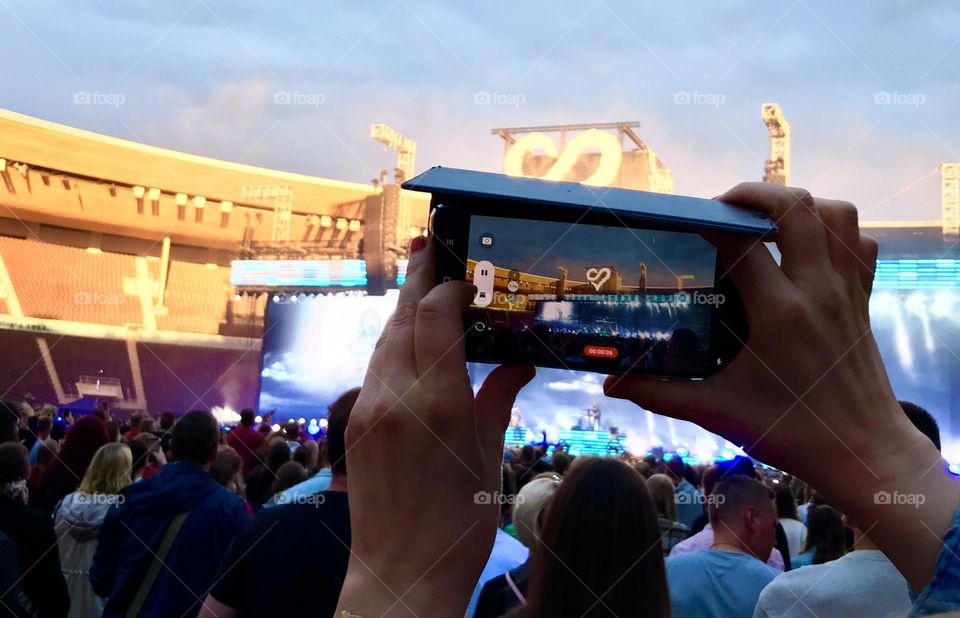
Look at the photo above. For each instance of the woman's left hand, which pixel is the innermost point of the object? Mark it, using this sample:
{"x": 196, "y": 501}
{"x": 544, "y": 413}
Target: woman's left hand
{"x": 424, "y": 457}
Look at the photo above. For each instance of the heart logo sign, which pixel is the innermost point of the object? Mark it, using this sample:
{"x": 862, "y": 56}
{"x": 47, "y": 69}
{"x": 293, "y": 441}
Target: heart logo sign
{"x": 598, "y": 276}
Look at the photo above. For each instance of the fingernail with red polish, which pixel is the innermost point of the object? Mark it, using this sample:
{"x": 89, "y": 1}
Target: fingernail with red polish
{"x": 418, "y": 243}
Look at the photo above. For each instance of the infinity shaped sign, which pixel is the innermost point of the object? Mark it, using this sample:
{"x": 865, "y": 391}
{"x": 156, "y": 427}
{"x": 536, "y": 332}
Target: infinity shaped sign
{"x": 611, "y": 156}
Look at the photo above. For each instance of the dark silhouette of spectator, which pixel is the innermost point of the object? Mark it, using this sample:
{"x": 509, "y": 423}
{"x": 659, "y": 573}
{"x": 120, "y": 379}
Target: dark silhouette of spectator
{"x": 31, "y": 531}
{"x": 159, "y": 550}
{"x": 310, "y": 537}
{"x": 64, "y": 474}
{"x": 245, "y": 440}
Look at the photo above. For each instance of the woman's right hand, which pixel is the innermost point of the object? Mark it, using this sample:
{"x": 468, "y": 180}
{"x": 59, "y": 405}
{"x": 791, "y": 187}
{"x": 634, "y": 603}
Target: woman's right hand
{"x": 808, "y": 393}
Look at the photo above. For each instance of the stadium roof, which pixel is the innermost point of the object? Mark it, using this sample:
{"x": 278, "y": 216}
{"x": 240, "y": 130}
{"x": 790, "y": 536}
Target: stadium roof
{"x": 47, "y": 144}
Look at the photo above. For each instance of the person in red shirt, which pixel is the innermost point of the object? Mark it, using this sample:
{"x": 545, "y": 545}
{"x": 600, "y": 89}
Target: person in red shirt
{"x": 245, "y": 439}
{"x": 135, "y": 419}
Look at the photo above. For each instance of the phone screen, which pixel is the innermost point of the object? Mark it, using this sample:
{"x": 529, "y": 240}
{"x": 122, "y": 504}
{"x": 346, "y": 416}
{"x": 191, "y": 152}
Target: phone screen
{"x": 590, "y": 297}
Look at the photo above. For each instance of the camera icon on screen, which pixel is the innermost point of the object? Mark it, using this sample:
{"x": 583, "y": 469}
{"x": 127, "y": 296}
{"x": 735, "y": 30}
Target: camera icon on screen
{"x": 487, "y": 240}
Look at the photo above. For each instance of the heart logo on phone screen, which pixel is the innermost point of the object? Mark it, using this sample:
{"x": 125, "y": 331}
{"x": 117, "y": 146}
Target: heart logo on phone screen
{"x": 598, "y": 276}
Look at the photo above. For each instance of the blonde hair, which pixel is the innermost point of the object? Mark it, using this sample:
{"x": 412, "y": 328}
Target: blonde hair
{"x": 664, "y": 497}
{"x": 109, "y": 472}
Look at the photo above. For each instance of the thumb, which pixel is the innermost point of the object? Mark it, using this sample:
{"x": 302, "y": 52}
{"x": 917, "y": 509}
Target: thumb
{"x": 690, "y": 401}
{"x": 495, "y": 401}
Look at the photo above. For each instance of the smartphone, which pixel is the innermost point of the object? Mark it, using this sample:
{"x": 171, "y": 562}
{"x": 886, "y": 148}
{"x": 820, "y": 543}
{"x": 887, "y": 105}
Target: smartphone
{"x": 588, "y": 278}
{"x": 587, "y": 289}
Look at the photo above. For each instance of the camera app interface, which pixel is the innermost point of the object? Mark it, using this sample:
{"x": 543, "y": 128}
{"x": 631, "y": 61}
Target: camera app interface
{"x": 590, "y": 297}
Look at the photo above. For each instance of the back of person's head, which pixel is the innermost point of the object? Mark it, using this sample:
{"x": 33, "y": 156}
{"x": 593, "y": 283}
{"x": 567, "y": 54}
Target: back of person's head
{"x": 167, "y": 420}
{"x": 601, "y": 539}
{"x": 337, "y": 418}
{"x": 531, "y": 506}
{"x": 14, "y": 464}
{"x": 48, "y": 452}
{"x": 676, "y": 468}
{"x": 9, "y": 422}
{"x": 744, "y": 507}
{"x": 148, "y": 425}
{"x": 195, "y": 438}
{"x": 561, "y": 462}
{"x": 113, "y": 431}
{"x": 225, "y": 465}
{"x": 643, "y": 468}
{"x": 109, "y": 471}
{"x": 288, "y": 475}
{"x": 81, "y": 443}
{"x": 292, "y": 430}
{"x": 278, "y": 453}
{"x": 14, "y": 467}
{"x": 307, "y": 455}
{"x": 825, "y": 534}
{"x": 786, "y": 502}
{"x": 247, "y": 417}
{"x": 140, "y": 453}
{"x": 44, "y": 425}
{"x": 664, "y": 495}
{"x": 708, "y": 481}
{"x": 738, "y": 466}
{"x": 527, "y": 454}
{"x": 923, "y": 421}
{"x": 135, "y": 419}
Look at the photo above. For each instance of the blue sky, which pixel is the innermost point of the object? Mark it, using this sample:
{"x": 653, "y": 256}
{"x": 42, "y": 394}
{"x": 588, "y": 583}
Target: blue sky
{"x": 203, "y": 75}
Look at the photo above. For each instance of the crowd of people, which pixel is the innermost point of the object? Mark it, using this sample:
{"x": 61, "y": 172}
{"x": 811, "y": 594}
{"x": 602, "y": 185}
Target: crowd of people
{"x": 203, "y": 524}
{"x": 409, "y": 505}
{"x": 138, "y": 518}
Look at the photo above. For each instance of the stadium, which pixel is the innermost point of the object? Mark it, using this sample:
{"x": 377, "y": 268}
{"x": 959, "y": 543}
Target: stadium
{"x": 155, "y": 280}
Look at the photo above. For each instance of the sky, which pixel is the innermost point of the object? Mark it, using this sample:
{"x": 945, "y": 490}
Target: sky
{"x": 870, "y": 88}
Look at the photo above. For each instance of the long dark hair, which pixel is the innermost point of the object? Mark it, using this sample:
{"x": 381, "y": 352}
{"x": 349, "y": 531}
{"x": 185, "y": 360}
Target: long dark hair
{"x": 825, "y": 535}
{"x": 786, "y": 502}
{"x": 63, "y": 476}
{"x": 601, "y": 539}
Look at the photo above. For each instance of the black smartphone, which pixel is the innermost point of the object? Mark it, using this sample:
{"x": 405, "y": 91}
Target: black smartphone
{"x": 587, "y": 289}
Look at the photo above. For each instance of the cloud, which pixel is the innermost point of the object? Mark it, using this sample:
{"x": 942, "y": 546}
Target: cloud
{"x": 586, "y": 383}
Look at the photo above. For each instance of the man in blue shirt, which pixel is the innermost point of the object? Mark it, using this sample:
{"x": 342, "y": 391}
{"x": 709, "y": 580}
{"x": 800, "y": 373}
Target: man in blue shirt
{"x": 689, "y": 499}
{"x": 159, "y": 549}
{"x": 725, "y": 581}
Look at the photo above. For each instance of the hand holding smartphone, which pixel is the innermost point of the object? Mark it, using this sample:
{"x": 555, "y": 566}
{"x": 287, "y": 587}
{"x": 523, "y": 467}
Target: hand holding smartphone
{"x": 564, "y": 279}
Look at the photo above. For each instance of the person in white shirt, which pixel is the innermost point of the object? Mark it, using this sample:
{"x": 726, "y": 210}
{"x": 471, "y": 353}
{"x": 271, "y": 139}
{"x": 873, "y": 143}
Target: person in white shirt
{"x": 787, "y": 517}
{"x": 861, "y": 583}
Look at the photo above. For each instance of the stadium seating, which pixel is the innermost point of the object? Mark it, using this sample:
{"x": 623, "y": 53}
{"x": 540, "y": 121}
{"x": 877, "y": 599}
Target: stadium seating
{"x": 196, "y": 298}
{"x": 66, "y": 283}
